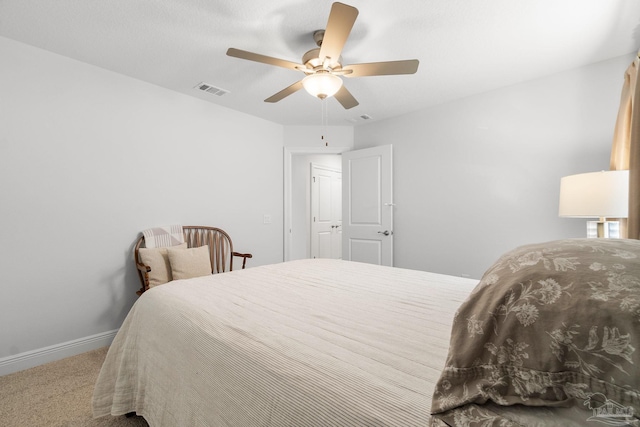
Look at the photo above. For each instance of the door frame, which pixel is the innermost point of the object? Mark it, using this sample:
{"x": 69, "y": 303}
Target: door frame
{"x": 289, "y": 152}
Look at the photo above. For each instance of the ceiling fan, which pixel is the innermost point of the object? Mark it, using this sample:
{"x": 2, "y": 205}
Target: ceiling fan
{"x": 323, "y": 65}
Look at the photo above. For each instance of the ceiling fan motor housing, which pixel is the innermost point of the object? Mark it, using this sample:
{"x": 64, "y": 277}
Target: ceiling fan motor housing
{"x": 318, "y": 35}
{"x": 312, "y": 60}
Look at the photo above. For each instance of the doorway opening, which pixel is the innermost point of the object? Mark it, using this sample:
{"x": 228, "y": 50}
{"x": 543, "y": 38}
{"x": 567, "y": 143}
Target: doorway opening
{"x": 297, "y": 195}
{"x": 326, "y": 211}
{"x": 367, "y": 203}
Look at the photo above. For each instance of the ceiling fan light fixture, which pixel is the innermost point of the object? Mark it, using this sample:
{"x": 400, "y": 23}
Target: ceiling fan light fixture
{"x": 323, "y": 65}
{"x": 322, "y": 84}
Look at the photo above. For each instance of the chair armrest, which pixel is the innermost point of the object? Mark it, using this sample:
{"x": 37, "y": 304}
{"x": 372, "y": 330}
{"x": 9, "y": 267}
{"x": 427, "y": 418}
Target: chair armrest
{"x": 243, "y": 256}
{"x": 143, "y": 270}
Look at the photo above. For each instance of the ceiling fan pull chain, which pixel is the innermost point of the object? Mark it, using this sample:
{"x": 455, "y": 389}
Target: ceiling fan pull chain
{"x": 325, "y": 120}
{"x": 322, "y": 120}
{"x": 326, "y": 106}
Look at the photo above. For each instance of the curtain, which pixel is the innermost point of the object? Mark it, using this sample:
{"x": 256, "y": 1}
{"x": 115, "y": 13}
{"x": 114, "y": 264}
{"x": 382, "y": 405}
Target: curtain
{"x": 625, "y": 152}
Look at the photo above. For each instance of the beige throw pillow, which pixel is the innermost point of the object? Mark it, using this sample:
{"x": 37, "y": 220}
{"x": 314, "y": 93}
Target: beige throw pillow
{"x": 189, "y": 263}
{"x": 158, "y": 260}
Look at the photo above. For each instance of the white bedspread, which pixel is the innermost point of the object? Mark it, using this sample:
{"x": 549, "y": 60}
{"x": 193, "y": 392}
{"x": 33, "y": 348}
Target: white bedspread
{"x": 303, "y": 343}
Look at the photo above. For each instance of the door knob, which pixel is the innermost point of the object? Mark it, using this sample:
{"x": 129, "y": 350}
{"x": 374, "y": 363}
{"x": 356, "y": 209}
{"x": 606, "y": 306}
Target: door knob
{"x": 385, "y": 232}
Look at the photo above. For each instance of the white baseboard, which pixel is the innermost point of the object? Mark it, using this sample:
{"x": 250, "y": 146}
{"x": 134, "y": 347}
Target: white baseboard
{"x": 29, "y": 359}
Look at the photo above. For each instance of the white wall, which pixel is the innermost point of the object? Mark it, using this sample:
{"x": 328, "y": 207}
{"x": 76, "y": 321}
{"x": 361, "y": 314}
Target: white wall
{"x": 88, "y": 159}
{"x": 479, "y": 176}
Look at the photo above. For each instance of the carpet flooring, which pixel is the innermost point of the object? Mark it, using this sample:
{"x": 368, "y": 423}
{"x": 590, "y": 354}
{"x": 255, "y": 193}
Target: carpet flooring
{"x": 57, "y": 394}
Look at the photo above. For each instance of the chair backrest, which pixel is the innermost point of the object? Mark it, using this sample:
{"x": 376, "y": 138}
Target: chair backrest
{"x": 220, "y": 249}
{"x": 219, "y": 242}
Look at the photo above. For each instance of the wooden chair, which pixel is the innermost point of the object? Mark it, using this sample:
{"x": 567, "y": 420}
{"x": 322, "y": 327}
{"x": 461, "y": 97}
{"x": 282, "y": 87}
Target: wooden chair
{"x": 220, "y": 251}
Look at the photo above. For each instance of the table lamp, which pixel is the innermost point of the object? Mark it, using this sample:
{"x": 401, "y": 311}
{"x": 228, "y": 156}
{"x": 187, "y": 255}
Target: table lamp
{"x": 599, "y": 195}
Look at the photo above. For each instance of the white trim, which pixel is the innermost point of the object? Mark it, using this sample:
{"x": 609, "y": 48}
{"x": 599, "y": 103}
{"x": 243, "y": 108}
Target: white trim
{"x": 29, "y": 359}
{"x": 289, "y": 152}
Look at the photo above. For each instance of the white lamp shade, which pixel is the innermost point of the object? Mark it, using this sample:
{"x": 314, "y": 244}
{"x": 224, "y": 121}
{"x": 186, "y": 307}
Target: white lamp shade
{"x": 322, "y": 85}
{"x": 595, "y": 195}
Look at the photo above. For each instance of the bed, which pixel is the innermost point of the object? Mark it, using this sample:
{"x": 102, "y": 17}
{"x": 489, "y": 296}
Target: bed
{"x": 299, "y": 343}
{"x": 339, "y": 343}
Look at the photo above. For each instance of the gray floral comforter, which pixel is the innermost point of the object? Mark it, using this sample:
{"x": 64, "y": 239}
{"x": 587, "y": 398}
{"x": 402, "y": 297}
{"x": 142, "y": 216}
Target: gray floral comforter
{"x": 551, "y": 324}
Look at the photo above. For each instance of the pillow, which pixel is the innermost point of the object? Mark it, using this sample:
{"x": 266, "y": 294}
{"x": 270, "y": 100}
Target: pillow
{"x": 188, "y": 263}
{"x": 550, "y": 324}
{"x": 158, "y": 260}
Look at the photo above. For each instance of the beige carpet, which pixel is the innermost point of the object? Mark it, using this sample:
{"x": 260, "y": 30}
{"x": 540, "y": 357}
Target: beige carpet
{"x": 57, "y": 394}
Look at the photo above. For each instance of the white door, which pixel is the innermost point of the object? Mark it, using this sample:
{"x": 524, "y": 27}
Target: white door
{"x": 367, "y": 200}
{"x": 326, "y": 212}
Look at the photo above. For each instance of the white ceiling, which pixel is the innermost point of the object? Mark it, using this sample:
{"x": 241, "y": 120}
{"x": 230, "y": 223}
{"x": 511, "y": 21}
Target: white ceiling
{"x": 464, "y": 47}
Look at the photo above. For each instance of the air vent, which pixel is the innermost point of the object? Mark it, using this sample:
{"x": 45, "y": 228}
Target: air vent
{"x": 359, "y": 118}
{"x": 211, "y": 89}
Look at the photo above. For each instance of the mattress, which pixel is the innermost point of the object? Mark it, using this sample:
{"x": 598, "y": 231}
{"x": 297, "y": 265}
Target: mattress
{"x": 302, "y": 343}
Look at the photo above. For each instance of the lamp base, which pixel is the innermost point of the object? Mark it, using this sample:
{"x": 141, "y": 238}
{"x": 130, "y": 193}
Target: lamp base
{"x": 603, "y": 229}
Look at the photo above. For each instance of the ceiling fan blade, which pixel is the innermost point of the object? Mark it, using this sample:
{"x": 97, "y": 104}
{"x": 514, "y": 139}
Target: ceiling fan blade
{"x": 409, "y": 66}
{"x": 341, "y": 20}
{"x": 285, "y": 92}
{"x": 345, "y": 98}
{"x": 243, "y": 54}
